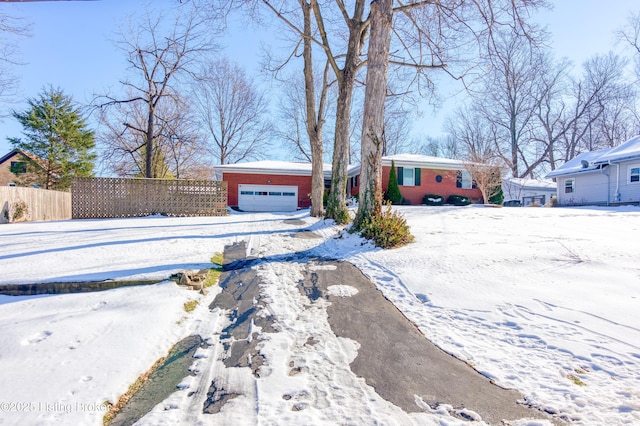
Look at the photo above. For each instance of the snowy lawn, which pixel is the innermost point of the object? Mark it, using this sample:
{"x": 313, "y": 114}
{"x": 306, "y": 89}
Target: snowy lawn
{"x": 541, "y": 300}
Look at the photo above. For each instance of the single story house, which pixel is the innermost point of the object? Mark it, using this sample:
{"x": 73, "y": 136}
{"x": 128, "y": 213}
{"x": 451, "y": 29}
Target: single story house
{"x": 286, "y": 186}
{"x": 15, "y": 164}
{"x": 528, "y": 191}
{"x": 419, "y": 175}
{"x": 603, "y": 177}
{"x": 271, "y": 185}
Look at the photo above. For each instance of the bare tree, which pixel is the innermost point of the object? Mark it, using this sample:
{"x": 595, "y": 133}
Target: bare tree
{"x": 11, "y": 28}
{"x": 232, "y": 111}
{"x": 177, "y": 149}
{"x": 486, "y": 176}
{"x": 445, "y": 146}
{"x": 594, "y": 97}
{"x": 159, "y": 54}
{"x": 509, "y": 98}
{"x": 476, "y": 138}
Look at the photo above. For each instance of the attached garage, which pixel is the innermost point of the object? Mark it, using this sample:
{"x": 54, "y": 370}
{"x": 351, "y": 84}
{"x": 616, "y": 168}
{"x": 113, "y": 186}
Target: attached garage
{"x": 270, "y": 185}
{"x": 267, "y": 198}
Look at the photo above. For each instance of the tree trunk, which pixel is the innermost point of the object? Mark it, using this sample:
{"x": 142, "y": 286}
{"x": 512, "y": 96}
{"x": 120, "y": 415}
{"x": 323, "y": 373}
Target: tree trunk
{"x": 373, "y": 122}
{"x": 314, "y": 124}
{"x": 337, "y": 201}
{"x": 149, "y": 144}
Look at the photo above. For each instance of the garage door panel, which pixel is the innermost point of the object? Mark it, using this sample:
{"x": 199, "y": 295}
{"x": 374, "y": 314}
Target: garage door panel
{"x": 257, "y": 198}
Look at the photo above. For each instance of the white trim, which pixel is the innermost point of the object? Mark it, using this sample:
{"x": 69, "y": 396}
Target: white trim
{"x": 629, "y": 168}
{"x": 573, "y": 185}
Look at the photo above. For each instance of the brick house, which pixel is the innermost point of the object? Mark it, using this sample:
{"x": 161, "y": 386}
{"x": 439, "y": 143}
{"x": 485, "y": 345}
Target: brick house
{"x": 419, "y": 175}
{"x": 286, "y": 186}
{"x": 16, "y": 164}
{"x": 270, "y": 185}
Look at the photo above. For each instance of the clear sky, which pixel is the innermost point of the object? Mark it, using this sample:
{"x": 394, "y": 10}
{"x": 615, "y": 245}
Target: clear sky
{"x": 70, "y": 45}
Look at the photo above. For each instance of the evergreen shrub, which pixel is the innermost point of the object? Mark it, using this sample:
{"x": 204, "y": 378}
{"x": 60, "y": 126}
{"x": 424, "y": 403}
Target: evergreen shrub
{"x": 387, "y": 230}
{"x": 393, "y": 193}
{"x": 458, "y": 200}
{"x": 433, "y": 200}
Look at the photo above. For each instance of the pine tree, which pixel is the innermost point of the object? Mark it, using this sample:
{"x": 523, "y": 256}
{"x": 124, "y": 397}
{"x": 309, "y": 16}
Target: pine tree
{"x": 393, "y": 190}
{"x": 57, "y": 136}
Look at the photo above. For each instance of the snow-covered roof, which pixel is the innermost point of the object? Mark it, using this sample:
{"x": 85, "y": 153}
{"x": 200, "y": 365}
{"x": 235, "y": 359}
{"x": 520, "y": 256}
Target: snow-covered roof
{"x": 591, "y": 161}
{"x": 418, "y": 160}
{"x": 627, "y": 151}
{"x": 272, "y": 167}
{"x": 532, "y": 184}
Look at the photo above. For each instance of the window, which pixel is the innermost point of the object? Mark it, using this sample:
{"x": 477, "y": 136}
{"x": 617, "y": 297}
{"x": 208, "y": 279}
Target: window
{"x": 278, "y": 194}
{"x": 288, "y": 194}
{"x": 246, "y": 192}
{"x": 463, "y": 179}
{"x": 408, "y": 176}
{"x": 634, "y": 174}
{"x": 569, "y": 186}
{"x": 18, "y": 167}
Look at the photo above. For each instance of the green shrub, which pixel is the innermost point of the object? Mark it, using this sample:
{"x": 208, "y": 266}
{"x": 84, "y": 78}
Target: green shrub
{"x": 498, "y": 196}
{"x": 433, "y": 200}
{"x": 388, "y": 230}
{"x": 393, "y": 193}
{"x": 458, "y": 200}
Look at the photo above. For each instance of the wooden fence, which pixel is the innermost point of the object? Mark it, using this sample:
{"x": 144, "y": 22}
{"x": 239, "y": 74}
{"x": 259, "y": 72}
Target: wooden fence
{"x": 21, "y": 204}
{"x": 121, "y": 197}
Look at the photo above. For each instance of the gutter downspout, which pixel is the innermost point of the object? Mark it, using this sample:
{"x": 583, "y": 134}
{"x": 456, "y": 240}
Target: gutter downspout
{"x": 617, "y": 182}
{"x": 608, "y": 183}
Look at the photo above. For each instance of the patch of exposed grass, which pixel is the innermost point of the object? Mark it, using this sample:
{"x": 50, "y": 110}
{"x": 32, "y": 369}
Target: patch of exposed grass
{"x": 212, "y": 277}
{"x": 576, "y": 380}
{"x": 122, "y": 401}
{"x": 190, "y": 305}
{"x": 218, "y": 259}
{"x": 214, "y": 273}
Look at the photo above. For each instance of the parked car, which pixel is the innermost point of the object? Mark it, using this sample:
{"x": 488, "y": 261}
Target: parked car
{"x": 512, "y": 203}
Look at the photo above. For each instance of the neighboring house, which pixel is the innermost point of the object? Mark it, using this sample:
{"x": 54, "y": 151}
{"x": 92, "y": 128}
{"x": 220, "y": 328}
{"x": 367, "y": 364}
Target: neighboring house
{"x": 528, "y": 191}
{"x": 14, "y": 165}
{"x": 285, "y": 186}
{"x": 603, "y": 177}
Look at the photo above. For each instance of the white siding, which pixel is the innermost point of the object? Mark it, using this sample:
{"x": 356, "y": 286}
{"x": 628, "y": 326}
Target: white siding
{"x": 629, "y": 192}
{"x": 589, "y": 188}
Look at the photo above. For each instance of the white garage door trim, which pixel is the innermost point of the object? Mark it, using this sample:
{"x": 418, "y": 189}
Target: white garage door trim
{"x": 267, "y": 198}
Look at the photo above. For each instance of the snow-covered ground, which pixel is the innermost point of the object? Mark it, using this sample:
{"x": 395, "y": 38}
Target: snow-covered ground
{"x": 541, "y": 300}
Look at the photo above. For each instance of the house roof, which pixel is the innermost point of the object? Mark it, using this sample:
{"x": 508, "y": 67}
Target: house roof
{"x": 273, "y": 167}
{"x": 594, "y": 160}
{"x": 531, "y": 184}
{"x": 304, "y": 169}
{"x": 9, "y": 155}
{"x": 427, "y": 161}
{"x": 15, "y": 151}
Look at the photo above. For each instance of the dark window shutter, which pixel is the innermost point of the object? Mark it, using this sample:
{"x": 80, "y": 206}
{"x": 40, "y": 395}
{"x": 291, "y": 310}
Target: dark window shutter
{"x": 417, "y": 179}
{"x": 458, "y": 179}
{"x": 400, "y": 175}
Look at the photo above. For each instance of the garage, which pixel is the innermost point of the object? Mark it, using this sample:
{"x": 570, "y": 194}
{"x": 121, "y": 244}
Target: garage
{"x": 267, "y": 198}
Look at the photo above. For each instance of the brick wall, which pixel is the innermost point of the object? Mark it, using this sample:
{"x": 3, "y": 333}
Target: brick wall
{"x": 429, "y": 185}
{"x": 302, "y": 182}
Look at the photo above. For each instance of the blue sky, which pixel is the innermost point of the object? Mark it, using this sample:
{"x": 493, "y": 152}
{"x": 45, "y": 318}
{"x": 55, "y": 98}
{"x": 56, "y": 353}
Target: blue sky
{"x": 70, "y": 45}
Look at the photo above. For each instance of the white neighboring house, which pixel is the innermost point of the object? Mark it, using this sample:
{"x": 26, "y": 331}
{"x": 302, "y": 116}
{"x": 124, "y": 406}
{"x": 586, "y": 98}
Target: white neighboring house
{"x": 528, "y": 191}
{"x": 603, "y": 177}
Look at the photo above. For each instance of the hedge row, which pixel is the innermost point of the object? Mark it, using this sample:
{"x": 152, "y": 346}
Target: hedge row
{"x": 438, "y": 200}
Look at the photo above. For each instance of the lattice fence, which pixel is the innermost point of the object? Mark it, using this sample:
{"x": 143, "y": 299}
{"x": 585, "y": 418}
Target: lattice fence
{"x": 120, "y": 197}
